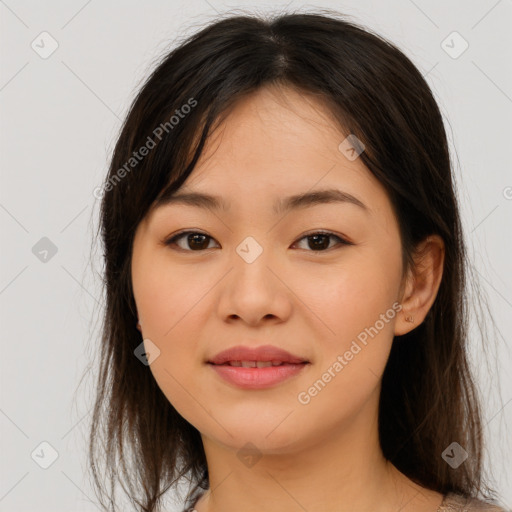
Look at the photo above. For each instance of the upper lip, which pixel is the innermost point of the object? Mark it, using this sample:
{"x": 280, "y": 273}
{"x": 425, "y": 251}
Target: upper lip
{"x": 262, "y": 353}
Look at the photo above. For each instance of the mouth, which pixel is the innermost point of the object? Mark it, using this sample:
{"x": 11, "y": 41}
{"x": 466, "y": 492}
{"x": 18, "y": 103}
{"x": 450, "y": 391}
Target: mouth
{"x": 257, "y": 367}
{"x": 256, "y": 357}
{"x": 257, "y": 364}
{"x": 251, "y": 368}
{"x": 253, "y": 375}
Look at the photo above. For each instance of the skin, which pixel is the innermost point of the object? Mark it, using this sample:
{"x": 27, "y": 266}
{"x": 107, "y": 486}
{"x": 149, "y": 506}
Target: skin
{"x": 323, "y": 456}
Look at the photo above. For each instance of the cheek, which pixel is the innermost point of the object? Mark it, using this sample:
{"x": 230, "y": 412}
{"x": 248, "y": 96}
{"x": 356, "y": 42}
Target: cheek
{"x": 354, "y": 294}
{"x": 356, "y": 304}
{"x": 168, "y": 304}
{"x": 164, "y": 298}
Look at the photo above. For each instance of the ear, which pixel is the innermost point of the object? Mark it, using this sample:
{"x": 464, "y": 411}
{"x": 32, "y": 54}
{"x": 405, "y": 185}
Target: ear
{"x": 139, "y": 326}
{"x": 421, "y": 284}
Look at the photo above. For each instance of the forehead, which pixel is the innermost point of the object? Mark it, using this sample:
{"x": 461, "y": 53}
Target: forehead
{"x": 277, "y": 124}
{"x": 274, "y": 151}
{"x": 282, "y": 139}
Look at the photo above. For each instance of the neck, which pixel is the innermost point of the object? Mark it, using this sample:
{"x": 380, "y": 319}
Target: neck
{"x": 340, "y": 471}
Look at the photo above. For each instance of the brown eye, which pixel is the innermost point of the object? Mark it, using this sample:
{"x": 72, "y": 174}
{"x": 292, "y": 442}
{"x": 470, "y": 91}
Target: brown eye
{"x": 194, "y": 241}
{"x": 320, "y": 241}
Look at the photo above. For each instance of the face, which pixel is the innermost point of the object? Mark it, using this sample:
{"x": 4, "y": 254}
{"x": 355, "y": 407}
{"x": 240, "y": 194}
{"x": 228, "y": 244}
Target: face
{"x": 320, "y": 280}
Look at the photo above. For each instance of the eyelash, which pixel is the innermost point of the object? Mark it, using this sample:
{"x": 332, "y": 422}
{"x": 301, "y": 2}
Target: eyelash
{"x": 172, "y": 240}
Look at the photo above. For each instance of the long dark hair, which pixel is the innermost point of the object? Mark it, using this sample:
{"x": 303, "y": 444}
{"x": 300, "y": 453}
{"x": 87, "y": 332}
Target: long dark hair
{"x": 428, "y": 398}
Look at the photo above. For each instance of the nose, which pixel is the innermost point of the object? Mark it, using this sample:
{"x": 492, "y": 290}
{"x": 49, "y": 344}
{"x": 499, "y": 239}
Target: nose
{"x": 255, "y": 291}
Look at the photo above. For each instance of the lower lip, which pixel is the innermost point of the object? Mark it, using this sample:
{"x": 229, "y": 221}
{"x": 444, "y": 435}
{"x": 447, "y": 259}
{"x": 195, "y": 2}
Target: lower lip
{"x": 257, "y": 378}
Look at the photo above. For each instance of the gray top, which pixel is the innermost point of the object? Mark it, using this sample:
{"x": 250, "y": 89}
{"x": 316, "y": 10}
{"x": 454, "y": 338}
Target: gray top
{"x": 451, "y": 503}
{"x": 455, "y": 502}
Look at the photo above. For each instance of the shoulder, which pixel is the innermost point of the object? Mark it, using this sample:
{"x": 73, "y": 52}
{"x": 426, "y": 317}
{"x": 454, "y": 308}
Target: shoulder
{"x": 457, "y": 503}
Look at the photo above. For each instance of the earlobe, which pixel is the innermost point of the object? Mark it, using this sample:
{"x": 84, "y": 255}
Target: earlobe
{"x": 422, "y": 284}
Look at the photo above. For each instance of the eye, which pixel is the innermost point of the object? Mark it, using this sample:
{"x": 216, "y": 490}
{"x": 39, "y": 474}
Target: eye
{"x": 196, "y": 240}
{"x": 317, "y": 241}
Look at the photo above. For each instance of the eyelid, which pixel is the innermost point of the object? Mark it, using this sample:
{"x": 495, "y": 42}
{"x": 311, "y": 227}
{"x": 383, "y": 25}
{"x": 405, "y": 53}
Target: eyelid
{"x": 170, "y": 240}
{"x": 342, "y": 239}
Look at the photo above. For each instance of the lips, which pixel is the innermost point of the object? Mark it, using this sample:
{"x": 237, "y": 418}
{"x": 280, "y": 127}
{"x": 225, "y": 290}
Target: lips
{"x": 257, "y": 368}
{"x": 256, "y": 357}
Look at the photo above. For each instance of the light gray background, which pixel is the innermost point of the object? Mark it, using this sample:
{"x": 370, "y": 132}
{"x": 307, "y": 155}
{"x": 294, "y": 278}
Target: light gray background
{"x": 60, "y": 117}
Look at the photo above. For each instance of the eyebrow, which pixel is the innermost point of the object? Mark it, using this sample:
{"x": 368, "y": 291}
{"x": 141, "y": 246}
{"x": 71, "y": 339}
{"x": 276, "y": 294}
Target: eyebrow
{"x": 298, "y": 201}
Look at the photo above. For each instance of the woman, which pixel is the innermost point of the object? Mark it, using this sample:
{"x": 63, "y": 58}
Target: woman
{"x": 285, "y": 323}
